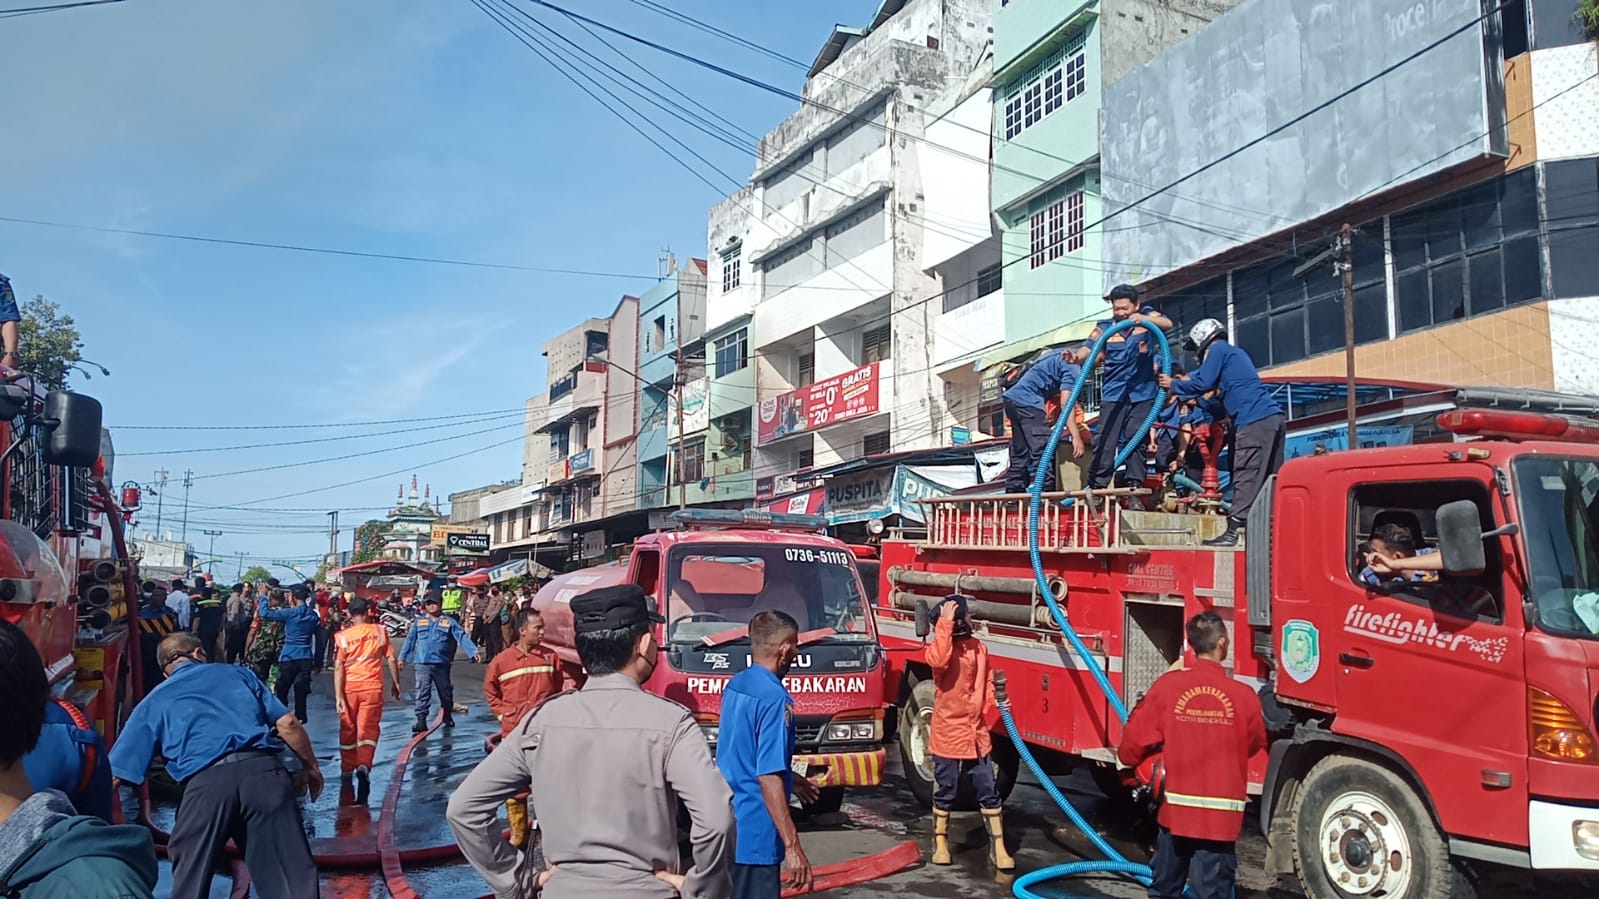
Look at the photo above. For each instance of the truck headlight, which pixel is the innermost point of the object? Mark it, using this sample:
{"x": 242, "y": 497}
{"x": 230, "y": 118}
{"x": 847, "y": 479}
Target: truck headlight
{"x": 852, "y": 732}
{"x": 1585, "y": 838}
{"x": 711, "y": 732}
{"x": 838, "y": 733}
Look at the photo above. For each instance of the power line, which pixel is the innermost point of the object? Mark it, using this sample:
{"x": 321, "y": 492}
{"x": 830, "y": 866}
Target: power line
{"x": 33, "y": 10}
{"x": 330, "y": 424}
{"x": 244, "y": 506}
{"x": 376, "y": 452}
{"x": 342, "y": 437}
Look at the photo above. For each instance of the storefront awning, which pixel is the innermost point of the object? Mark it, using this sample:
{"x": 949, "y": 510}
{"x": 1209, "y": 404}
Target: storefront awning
{"x": 1067, "y": 333}
{"x": 892, "y": 491}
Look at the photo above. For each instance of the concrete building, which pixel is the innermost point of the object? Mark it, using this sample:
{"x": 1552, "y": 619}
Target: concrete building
{"x": 465, "y": 505}
{"x": 842, "y": 322}
{"x": 671, "y": 364}
{"x": 172, "y": 558}
{"x": 729, "y": 368}
{"x": 1052, "y": 61}
{"x": 1474, "y": 211}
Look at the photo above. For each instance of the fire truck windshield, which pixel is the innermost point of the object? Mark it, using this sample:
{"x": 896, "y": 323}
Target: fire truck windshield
{"x": 1559, "y": 500}
{"x": 717, "y": 590}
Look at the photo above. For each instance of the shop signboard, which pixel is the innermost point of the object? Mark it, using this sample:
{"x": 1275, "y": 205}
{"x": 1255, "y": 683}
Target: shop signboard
{"x": 841, "y": 398}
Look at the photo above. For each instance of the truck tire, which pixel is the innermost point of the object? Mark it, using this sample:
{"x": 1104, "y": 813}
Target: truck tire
{"x": 915, "y": 733}
{"x": 830, "y": 801}
{"x": 1359, "y": 830}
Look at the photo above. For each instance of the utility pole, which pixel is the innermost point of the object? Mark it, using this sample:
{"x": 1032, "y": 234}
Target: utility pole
{"x": 333, "y": 538}
{"x": 211, "y": 555}
{"x": 239, "y": 575}
{"x": 161, "y": 482}
{"x": 1346, "y": 237}
{"x": 677, "y": 389}
{"x": 188, "y": 481}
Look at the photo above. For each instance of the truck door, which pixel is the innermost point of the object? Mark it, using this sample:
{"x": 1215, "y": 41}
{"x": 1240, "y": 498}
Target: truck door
{"x": 1430, "y": 665}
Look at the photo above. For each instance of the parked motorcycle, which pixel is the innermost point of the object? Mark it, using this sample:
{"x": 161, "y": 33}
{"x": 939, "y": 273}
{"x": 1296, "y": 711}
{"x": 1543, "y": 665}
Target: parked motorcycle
{"x": 395, "y": 623}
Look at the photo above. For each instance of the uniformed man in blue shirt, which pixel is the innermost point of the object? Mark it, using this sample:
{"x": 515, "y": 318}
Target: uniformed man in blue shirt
{"x": 1053, "y": 375}
{"x": 213, "y": 724}
{"x": 431, "y": 641}
{"x": 755, "y": 752}
{"x": 1129, "y": 386}
{"x": 295, "y": 661}
{"x": 156, "y": 621}
{"x": 71, "y": 757}
{"x": 1259, "y": 427}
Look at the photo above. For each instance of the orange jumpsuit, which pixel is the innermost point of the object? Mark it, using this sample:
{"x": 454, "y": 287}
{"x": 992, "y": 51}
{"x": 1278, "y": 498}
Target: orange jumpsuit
{"x": 961, "y": 691}
{"x": 362, "y": 650}
{"x": 516, "y": 681}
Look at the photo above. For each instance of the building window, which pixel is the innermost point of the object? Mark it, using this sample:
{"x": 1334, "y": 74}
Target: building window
{"x": 803, "y": 459}
{"x": 1056, "y": 229}
{"x": 659, "y": 331}
{"x": 875, "y": 444}
{"x": 730, "y": 269}
{"x": 876, "y": 345}
{"x": 805, "y": 370}
{"x": 1053, "y": 83}
{"x": 990, "y": 279}
{"x": 1571, "y": 191}
{"x": 732, "y": 352}
{"x": 693, "y": 462}
{"x": 1470, "y": 253}
{"x": 1283, "y": 318}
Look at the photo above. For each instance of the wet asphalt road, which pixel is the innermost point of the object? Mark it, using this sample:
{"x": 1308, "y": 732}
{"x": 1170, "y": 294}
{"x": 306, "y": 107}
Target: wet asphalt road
{"x": 341, "y": 821}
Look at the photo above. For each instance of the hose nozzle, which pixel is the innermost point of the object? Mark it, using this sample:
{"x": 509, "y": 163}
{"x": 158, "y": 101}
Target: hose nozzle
{"x": 1001, "y": 695}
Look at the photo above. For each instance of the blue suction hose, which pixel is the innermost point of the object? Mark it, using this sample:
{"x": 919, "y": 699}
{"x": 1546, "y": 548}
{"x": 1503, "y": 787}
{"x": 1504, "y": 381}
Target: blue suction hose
{"x": 1115, "y": 862}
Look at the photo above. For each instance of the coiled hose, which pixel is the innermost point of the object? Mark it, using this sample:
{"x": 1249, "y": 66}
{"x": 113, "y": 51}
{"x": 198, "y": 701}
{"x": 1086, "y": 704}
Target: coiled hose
{"x": 1115, "y": 862}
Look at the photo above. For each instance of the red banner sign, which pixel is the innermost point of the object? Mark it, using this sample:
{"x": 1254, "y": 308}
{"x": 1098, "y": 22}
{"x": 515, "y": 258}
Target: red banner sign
{"x": 815, "y": 406}
{"x": 807, "y": 503}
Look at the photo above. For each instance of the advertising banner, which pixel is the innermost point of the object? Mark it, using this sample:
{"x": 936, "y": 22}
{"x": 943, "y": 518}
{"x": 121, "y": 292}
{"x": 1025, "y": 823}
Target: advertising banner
{"x": 467, "y": 543}
{"x": 837, "y": 399}
{"x": 1335, "y": 439}
{"x": 582, "y": 461}
{"x": 807, "y": 503}
{"x": 696, "y": 406}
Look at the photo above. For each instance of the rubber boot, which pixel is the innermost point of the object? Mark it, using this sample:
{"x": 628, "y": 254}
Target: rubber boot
{"x": 996, "y": 832}
{"x": 941, "y": 837}
{"x": 516, "y": 813}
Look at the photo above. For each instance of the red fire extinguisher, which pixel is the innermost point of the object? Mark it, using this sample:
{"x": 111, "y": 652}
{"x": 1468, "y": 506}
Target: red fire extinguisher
{"x": 130, "y": 497}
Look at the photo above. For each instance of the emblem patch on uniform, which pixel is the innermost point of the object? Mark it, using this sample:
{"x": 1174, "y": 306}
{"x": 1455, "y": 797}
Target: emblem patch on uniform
{"x": 1301, "y": 657}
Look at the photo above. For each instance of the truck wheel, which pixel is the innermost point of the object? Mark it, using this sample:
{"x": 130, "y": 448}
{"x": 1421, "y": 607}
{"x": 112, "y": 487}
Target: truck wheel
{"x": 830, "y": 801}
{"x": 1361, "y": 831}
{"x": 915, "y": 736}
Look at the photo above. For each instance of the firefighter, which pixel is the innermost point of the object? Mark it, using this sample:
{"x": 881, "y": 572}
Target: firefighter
{"x": 1202, "y": 727}
{"x": 1027, "y": 404}
{"x": 156, "y": 621}
{"x": 960, "y": 743}
{"x": 208, "y": 613}
{"x": 1128, "y": 391}
{"x": 300, "y": 626}
{"x": 214, "y": 726}
{"x": 431, "y": 642}
{"x": 360, "y": 651}
{"x": 516, "y": 681}
{"x": 1259, "y": 427}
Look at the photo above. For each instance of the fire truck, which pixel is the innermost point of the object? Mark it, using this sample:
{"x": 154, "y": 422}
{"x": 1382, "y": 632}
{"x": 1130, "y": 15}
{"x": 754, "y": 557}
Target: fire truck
{"x": 709, "y": 578}
{"x": 66, "y": 577}
{"x": 1420, "y": 727}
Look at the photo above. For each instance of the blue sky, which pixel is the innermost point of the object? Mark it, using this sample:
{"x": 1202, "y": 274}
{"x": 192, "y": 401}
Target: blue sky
{"x": 416, "y": 128}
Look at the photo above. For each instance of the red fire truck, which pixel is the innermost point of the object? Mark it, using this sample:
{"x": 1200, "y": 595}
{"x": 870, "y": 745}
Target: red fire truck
{"x": 709, "y": 578}
{"x": 1425, "y": 725}
{"x": 65, "y": 574}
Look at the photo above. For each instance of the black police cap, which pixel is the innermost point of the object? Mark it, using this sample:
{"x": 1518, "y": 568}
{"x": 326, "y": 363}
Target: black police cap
{"x": 612, "y": 608}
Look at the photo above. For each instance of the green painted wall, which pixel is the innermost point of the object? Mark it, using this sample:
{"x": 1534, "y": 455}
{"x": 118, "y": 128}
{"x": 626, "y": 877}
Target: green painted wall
{"x": 1056, "y": 293}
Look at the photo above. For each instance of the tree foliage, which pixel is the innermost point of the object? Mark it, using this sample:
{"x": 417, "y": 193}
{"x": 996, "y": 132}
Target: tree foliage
{"x": 255, "y": 574}
{"x": 370, "y": 539}
{"x": 51, "y": 346}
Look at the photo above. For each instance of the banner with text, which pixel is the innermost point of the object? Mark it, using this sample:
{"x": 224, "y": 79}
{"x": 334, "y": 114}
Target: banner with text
{"x": 839, "y": 398}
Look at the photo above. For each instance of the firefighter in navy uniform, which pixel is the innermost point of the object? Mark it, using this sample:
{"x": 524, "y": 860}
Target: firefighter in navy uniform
{"x": 208, "y": 612}
{"x": 1201, "y": 726}
{"x": 156, "y": 621}
{"x": 430, "y": 645}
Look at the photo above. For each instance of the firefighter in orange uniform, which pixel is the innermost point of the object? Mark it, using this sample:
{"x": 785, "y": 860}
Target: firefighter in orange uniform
{"x": 516, "y": 681}
{"x": 1203, "y": 727}
{"x": 360, "y": 649}
{"x": 960, "y": 743}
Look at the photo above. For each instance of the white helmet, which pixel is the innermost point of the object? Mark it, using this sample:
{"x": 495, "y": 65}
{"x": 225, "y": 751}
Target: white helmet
{"x": 1202, "y": 333}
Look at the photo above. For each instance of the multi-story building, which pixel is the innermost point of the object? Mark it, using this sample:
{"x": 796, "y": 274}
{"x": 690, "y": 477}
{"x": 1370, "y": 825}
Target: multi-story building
{"x": 842, "y": 320}
{"x": 670, "y": 370}
{"x": 1474, "y": 210}
{"x": 729, "y": 369}
{"x": 1052, "y": 62}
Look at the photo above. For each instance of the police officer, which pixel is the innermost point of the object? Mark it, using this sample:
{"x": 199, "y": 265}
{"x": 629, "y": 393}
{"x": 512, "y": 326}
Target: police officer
{"x": 1259, "y": 427}
{"x": 156, "y": 621}
{"x": 606, "y": 766}
{"x": 431, "y": 642}
{"x": 213, "y": 724}
{"x": 208, "y": 612}
{"x": 452, "y": 597}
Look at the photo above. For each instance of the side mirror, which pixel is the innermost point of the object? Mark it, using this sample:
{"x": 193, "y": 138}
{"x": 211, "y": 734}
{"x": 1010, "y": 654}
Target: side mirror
{"x": 1460, "y": 538}
{"x": 73, "y": 436}
{"x": 924, "y": 619}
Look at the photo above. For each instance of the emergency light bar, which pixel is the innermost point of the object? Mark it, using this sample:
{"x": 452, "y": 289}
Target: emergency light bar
{"x": 1519, "y": 425}
{"x": 748, "y": 518}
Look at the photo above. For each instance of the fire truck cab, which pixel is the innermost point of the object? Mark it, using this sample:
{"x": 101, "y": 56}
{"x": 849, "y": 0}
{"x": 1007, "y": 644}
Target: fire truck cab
{"x": 1421, "y": 721}
{"x": 708, "y": 579}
